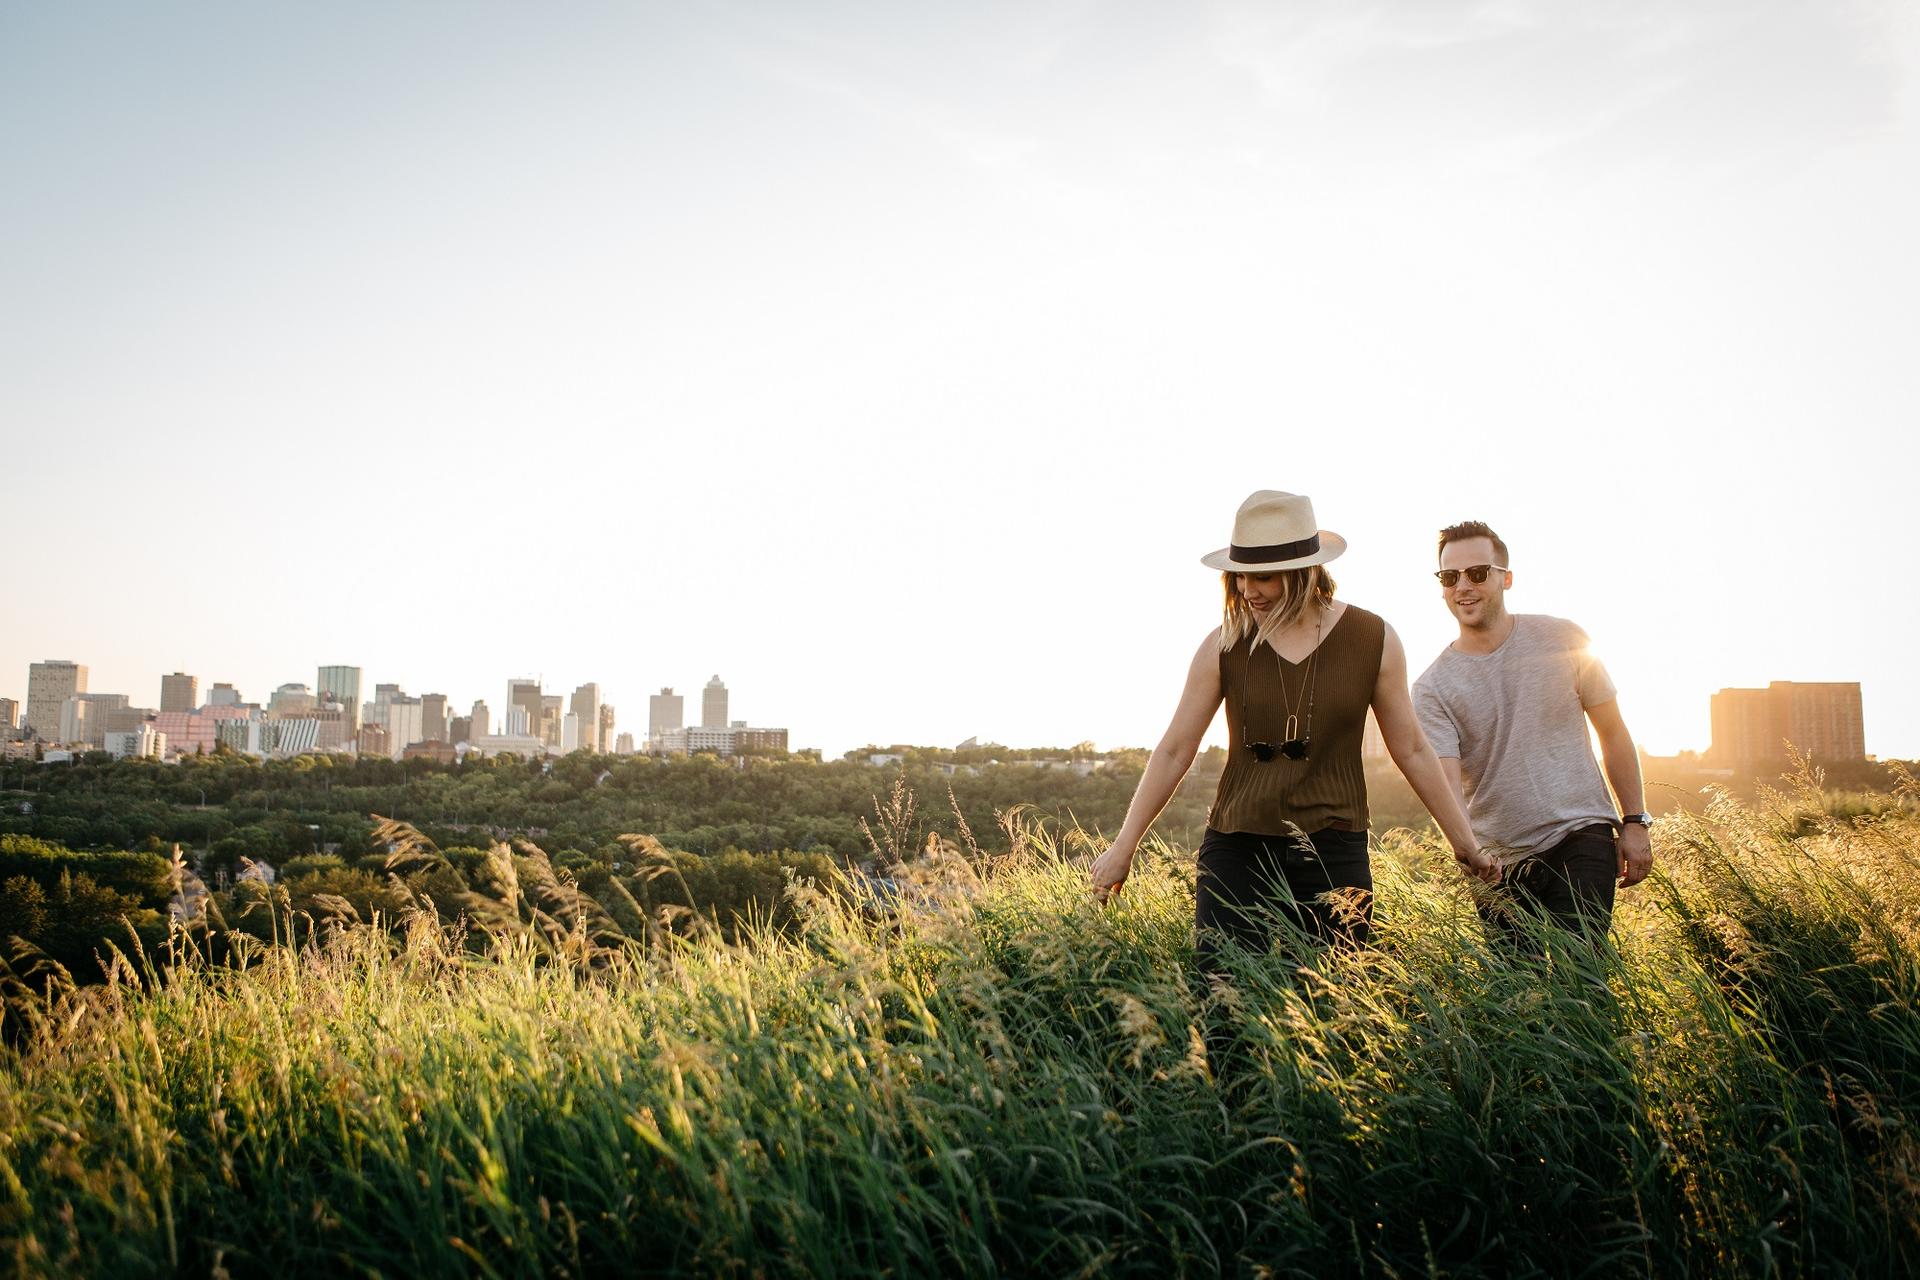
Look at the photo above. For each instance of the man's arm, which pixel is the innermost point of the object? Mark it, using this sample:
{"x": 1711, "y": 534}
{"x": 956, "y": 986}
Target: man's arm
{"x": 1623, "y": 774}
{"x": 1415, "y": 758}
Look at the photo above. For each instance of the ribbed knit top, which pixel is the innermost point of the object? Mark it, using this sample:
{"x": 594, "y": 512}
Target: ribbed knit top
{"x": 1264, "y": 797}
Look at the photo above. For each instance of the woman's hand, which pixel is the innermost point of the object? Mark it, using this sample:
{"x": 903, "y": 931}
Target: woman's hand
{"x": 1478, "y": 863}
{"x": 1110, "y": 871}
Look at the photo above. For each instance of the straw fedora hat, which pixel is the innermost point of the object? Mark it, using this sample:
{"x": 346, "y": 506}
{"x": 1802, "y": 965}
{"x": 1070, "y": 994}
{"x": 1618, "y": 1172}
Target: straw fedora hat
{"x": 1274, "y": 531}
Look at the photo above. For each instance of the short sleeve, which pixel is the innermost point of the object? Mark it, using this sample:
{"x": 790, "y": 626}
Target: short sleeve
{"x": 1590, "y": 676}
{"x": 1435, "y": 722}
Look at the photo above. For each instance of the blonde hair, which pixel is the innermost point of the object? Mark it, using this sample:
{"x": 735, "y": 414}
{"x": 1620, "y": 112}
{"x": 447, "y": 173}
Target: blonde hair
{"x": 1298, "y": 589}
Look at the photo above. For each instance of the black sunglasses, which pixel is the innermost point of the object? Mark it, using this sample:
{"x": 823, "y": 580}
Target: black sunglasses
{"x": 1476, "y": 574}
{"x": 1292, "y": 749}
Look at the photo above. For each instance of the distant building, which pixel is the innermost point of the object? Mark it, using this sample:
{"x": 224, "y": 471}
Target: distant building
{"x": 665, "y": 712}
{"x": 87, "y": 718}
{"x": 552, "y": 711}
{"x": 406, "y": 724}
{"x": 623, "y": 745}
{"x": 198, "y": 732}
{"x": 570, "y": 733}
{"x": 713, "y": 705}
{"x": 736, "y": 739}
{"x": 224, "y": 695}
{"x": 1821, "y": 721}
{"x": 480, "y": 721}
{"x": 373, "y": 740}
{"x": 459, "y": 729}
{"x": 433, "y": 717}
{"x": 49, "y": 685}
{"x": 519, "y": 744}
{"x": 9, "y": 718}
{"x": 606, "y": 728}
{"x": 586, "y": 707}
{"x": 179, "y": 692}
{"x": 342, "y": 684}
{"x": 290, "y": 700}
{"x": 144, "y": 743}
{"x": 431, "y": 749}
{"x": 525, "y": 697}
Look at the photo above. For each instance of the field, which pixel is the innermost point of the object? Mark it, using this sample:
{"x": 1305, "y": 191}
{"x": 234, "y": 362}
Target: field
{"x": 977, "y": 1072}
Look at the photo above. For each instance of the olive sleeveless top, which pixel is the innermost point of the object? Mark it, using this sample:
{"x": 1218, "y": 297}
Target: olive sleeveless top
{"x": 1329, "y": 786}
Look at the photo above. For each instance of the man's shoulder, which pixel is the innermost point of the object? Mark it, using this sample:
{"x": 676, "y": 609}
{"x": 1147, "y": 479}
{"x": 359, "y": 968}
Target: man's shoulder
{"x": 1435, "y": 675}
{"x": 1545, "y": 629}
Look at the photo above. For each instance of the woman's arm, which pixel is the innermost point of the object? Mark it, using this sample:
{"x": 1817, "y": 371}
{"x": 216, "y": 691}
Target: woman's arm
{"x": 1165, "y": 767}
{"x": 1414, "y": 757}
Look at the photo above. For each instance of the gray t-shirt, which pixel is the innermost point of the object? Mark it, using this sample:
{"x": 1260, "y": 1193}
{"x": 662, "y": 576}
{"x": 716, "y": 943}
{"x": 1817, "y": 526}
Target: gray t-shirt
{"x": 1516, "y": 720}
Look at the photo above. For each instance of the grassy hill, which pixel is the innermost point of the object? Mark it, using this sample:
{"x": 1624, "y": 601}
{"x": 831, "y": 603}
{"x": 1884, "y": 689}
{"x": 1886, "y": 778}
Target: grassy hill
{"x": 978, "y": 1073}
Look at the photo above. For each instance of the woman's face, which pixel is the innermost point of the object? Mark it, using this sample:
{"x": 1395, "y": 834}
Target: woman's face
{"x": 1259, "y": 590}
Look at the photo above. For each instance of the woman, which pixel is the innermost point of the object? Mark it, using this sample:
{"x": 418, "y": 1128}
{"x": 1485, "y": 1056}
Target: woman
{"x": 1298, "y": 671}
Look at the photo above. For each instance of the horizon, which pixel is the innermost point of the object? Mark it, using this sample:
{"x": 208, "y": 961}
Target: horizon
{"x": 900, "y": 366}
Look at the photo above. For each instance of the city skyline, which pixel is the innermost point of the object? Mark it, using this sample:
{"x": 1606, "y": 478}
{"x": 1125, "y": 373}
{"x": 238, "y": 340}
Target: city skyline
{"x": 902, "y": 362}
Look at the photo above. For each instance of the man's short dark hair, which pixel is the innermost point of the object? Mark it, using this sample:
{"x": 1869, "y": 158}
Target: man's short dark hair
{"x": 1473, "y": 529}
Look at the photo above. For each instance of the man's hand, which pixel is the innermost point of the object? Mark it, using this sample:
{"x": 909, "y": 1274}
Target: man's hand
{"x": 1636, "y": 854}
{"x": 1110, "y": 871}
{"x": 1479, "y": 864}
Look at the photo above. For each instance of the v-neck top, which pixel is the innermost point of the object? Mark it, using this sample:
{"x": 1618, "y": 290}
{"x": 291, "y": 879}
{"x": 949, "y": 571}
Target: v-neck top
{"x": 1329, "y": 786}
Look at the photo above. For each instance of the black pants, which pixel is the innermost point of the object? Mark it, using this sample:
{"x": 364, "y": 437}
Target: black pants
{"x": 1570, "y": 884}
{"x": 1246, "y": 881}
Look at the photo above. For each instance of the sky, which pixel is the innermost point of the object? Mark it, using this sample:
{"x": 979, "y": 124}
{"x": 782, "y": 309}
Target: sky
{"x": 898, "y": 363}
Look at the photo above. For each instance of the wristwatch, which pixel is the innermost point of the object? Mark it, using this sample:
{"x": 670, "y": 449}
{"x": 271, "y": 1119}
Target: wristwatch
{"x": 1644, "y": 819}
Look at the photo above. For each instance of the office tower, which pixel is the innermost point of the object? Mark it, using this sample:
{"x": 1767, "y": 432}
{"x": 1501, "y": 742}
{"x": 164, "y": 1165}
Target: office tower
{"x": 9, "y": 717}
{"x": 606, "y": 728}
{"x": 290, "y": 700}
{"x": 586, "y": 705}
{"x": 624, "y": 745}
{"x": 480, "y": 720}
{"x": 523, "y": 696}
{"x": 374, "y": 741}
{"x": 459, "y": 730}
{"x": 179, "y": 692}
{"x": 433, "y": 714}
{"x": 406, "y": 724}
{"x": 1822, "y": 721}
{"x": 665, "y": 713}
{"x": 713, "y": 705}
{"x": 570, "y": 733}
{"x": 225, "y": 695}
{"x": 343, "y": 685}
{"x": 552, "y": 711}
{"x": 49, "y": 685}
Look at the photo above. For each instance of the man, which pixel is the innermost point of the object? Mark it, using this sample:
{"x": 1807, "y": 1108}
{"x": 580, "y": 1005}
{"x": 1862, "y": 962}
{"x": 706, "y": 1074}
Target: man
{"x": 1506, "y": 706}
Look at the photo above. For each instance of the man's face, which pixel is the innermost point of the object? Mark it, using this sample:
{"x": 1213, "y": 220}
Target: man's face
{"x": 1476, "y": 605}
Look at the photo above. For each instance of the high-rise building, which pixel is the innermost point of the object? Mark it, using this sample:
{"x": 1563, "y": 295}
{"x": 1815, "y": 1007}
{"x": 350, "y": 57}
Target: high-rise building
{"x": 87, "y": 718}
{"x": 552, "y": 712}
{"x": 143, "y": 743}
{"x": 343, "y": 685}
{"x": 666, "y": 711}
{"x": 433, "y": 715}
{"x": 523, "y": 696}
{"x": 713, "y": 705}
{"x": 9, "y": 717}
{"x": 623, "y": 745}
{"x": 225, "y": 695}
{"x": 480, "y": 721}
{"x": 49, "y": 685}
{"x": 570, "y": 733}
{"x": 179, "y": 692}
{"x": 1821, "y": 721}
{"x": 290, "y": 700}
{"x": 459, "y": 730}
{"x": 406, "y": 724}
{"x": 586, "y": 705}
{"x": 606, "y": 728}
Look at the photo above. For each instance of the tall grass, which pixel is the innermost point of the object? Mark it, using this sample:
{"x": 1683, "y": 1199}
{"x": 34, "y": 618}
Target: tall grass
{"x": 982, "y": 1074}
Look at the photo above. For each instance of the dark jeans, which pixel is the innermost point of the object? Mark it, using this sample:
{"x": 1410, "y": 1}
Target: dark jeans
{"x": 1247, "y": 881}
{"x": 1570, "y": 884}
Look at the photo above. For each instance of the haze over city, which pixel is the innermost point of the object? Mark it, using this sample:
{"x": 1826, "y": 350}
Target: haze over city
{"x": 901, "y": 364}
